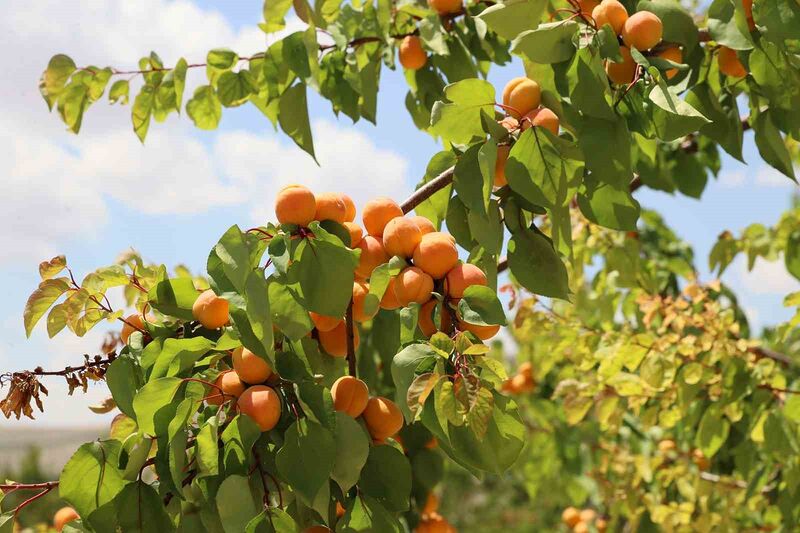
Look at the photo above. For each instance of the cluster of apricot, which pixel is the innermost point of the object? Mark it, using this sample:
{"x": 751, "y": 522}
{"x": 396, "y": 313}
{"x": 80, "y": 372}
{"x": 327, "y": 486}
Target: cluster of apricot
{"x": 430, "y": 520}
{"x": 580, "y": 520}
{"x": 381, "y": 416}
{"x": 522, "y": 381}
{"x": 411, "y": 53}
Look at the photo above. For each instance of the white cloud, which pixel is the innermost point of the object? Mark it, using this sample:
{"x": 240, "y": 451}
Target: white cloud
{"x": 732, "y": 179}
{"x": 769, "y": 177}
{"x": 765, "y": 278}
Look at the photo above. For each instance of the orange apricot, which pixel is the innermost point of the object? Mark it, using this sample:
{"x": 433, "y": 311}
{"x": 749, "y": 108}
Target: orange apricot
{"x": 729, "y": 63}
{"x": 460, "y": 277}
{"x": 132, "y": 323}
{"x": 500, "y": 165}
{"x": 587, "y": 7}
{"x": 378, "y": 212}
{"x": 382, "y": 417}
{"x": 642, "y": 30}
{"x": 64, "y": 516}
{"x": 510, "y": 124}
{"x": 413, "y": 285}
{"x": 360, "y": 292}
{"x": 412, "y": 55}
{"x": 231, "y": 386}
{"x": 748, "y": 13}
{"x": 355, "y": 233}
{"x": 700, "y": 460}
{"x": 210, "y": 310}
{"x": 330, "y": 206}
{"x": 588, "y": 516}
{"x": 666, "y": 445}
{"x": 434, "y": 523}
{"x": 525, "y": 369}
{"x": 521, "y": 95}
{"x": 570, "y": 516}
{"x": 350, "y": 395}
{"x": 445, "y": 7}
{"x": 340, "y": 510}
{"x": 431, "y": 504}
{"x": 601, "y": 525}
{"x": 350, "y": 208}
{"x": 324, "y": 322}
{"x": 424, "y": 225}
{"x": 436, "y": 254}
{"x": 334, "y": 342}
{"x": 542, "y": 117}
{"x": 250, "y": 367}
{"x": 401, "y": 236}
{"x": 482, "y": 332}
{"x": 581, "y": 527}
{"x": 610, "y": 12}
{"x": 295, "y": 204}
{"x": 389, "y": 300}
{"x": 372, "y": 255}
{"x": 674, "y": 54}
{"x": 262, "y": 404}
{"x": 426, "y": 322}
{"x": 622, "y": 73}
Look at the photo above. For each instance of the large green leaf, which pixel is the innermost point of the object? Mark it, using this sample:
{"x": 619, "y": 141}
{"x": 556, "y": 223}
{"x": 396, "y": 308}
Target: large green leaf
{"x": 509, "y": 19}
{"x": 672, "y": 117}
{"x": 41, "y": 299}
{"x": 387, "y": 477}
{"x": 235, "y": 504}
{"x": 536, "y": 265}
{"x": 293, "y": 117}
{"x": 771, "y": 145}
{"x": 139, "y": 509}
{"x": 91, "y": 479}
{"x": 307, "y": 458}
{"x": 457, "y": 118}
{"x": 352, "y": 449}
{"x": 404, "y": 366}
{"x": 174, "y": 297}
{"x": 480, "y": 305}
{"x": 549, "y": 43}
{"x": 204, "y": 108}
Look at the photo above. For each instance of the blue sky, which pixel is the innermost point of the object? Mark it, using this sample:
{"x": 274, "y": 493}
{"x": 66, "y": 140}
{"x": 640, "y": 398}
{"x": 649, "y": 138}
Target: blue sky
{"x": 92, "y": 196}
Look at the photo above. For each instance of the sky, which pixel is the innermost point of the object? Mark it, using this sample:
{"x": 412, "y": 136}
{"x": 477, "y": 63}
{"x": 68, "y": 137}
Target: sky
{"x": 94, "y": 195}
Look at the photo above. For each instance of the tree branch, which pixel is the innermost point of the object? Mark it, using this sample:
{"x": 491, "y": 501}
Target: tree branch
{"x": 351, "y": 348}
{"x": 9, "y": 487}
{"x": 428, "y": 189}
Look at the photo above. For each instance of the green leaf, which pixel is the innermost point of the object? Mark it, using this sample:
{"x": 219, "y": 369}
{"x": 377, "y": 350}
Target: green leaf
{"x": 155, "y": 395}
{"x": 387, "y": 477}
{"x": 124, "y": 378}
{"x": 404, "y": 366}
{"x": 119, "y": 92}
{"x": 672, "y": 117}
{"x": 791, "y": 254}
{"x": 780, "y": 20}
{"x": 48, "y": 269}
{"x": 41, "y": 299}
{"x": 480, "y": 412}
{"x": 274, "y": 13}
{"x": 54, "y": 78}
{"x": 712, "y": 432}
{"x": 293, "y": 117}
{"x": 771, "y": 145}
{"x": 235, "y": 88}
{"x": 235, "y": 504}
{"x": 229, "y": 263}
{"x": 142, "y": 110}
{"x": 178, "y": 356}
{"x": 471, "y": 185}
{"x": 317, "y": 403}
{"x": 307, "y": 458}
{"x": 140, "y": 509}
{"x": 204, "y": 108}
{"x": 325, "y": 272}
{"x": 251, "y": 316}
{"x": 549, "y": 43}
{"x": 72, "y": 102}
{"x": 287, "y": 311}
{"x": 480, "y": 305}
{"x": 174, "y": 297}
{"x": 723, "y": 27}
{"x": 367, "y": 515}
{"x": 91, "y": 479}
{"x": 237, "y": 443}
{"x": 726, "y": 125}
{"x": 207, "y": 454}
{"x": 457, "y": 118}
{"x": 536, "y": 265}
{"x": 509, "y": 19}
{"x": 352, "y": 449}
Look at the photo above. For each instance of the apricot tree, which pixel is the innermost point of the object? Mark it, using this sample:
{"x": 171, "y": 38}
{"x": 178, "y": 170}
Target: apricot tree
{"x": 316, "y": 378}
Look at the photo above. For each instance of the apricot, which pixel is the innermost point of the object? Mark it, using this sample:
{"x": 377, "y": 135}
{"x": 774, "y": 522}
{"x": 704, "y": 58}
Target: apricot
{"x": 674, "y": 54}
{"x": 431, "y": 504}
{"x": 521, "y": 95}
{"x": 581, "y": 527}
{"x": 642, "y": 30}
{"x": 350, "y": 208}
{"x": 389, "y": 300}
{"x": 445, "y": 7}
{"x": 350, "y": 395}
{"x": 210, "y": 310}
{"x": 460, "y": 277}
{"x": 64, "y": 516}
{"x": 729, "y": 63}
{"x": 382, "y": 417}
{"x": 340, "y": 511}
{"x": 262, "y": 404}
{"x": 434, "y": 523}
{"x": 355, "y": 233}
{"x": 748, "y": 13}
{"x": 425, "y": 320}
{"x": 570, "y": 516}
{"x": 324, "y": 322}
{"x": 510, "y": 124}
{"x": 360, "y": 292}
{"x": 666, "y": 445}
{"x": 525, "y": 369}
{"x": 436, "y": 254}
{"x": 431, "y": 444}
{"x": 372, "y": 255}
{"x": 482, "y": 332}
{"x": 519, "y": 383}
{"x": 587, "y": 7}
{"x": 622, "y": 73}
{"x": 610, "y": 12}
{"x": 588, "y": 515}
{"x": 378, "y": 212}
{"x": 334, "y": 342}
{"x": 541, "y": 117}
{"x": 601, "y": 525}
{"x": 295, "y": 204}
{"x": 424, "y": 225}
{"x": 412, "y": 55}
{"x": 231, "y": 385}
{"x": 401, "y": 236}
{"x": 700, "y": 460}
{"x": 132, "y": 323}
{"x": 413, "y": 285}
{"x": 500, "y": 165}
{"x": 250, "y": 367}
{"x": 330, "y": 206}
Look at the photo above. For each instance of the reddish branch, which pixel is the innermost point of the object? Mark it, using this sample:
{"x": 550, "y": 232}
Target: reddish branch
{"x": 351, "y": 345}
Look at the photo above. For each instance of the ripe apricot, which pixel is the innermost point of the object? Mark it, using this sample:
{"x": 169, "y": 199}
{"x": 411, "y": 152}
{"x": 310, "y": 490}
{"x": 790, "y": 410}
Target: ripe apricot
{"x": 587, "y": 7}
{"x": 412, "y": 55}
{"x": 700, "y": 460}
{"x": 482, "y": 332}
{"x": 389, "y": 300}
{"x": 434, "y": 523}
{"x": 460, "y": 277}
{"x": 610, "y": 12}
{"x": 262, "y": 404}
{"x": 360, "y": 292}
{"x": 132, "y": 323}
{"x": 350, "y": 208}
{"x": 340, "y": 511}
{"x": 500, "y": 165}
{"x": 295, "y": 204}
{"x": 520, "y": 383}
{"x": 231, "y": 385}
{"x": 401, "y": 236}
{"x": 525, "y": 369}
{"x": 622, "y": 73}
{"x": 521, "y": 95}
{"x": 324, "y": 322}
{"x": 64, "y": 516}
{"x": 729, "y": 63}
{"x": 382, "y": 417}
{"x": 748, "y": 13}
{"x": 210, "y": 310}
{"x": 250, "y": 367}
{"x": 436, "y": 254}
{"x": 541, "y": 117}
{"x": 355, "y": 233}
{"x": 330, "y": 206}
{"x": 424, "y": 225}
{"x": 350, "y": 395}
{"x": 642, "y": 30}
{"x": 601, "y": 525}
{"x": 372, "y": 255}
{"x": 674, "y": 54}
{"x": 426, "y": 322}
{"x": 378, "y": 212}
{"x": 581, "y": 527}
{"x": 334, "y": 342}
{"x": 445, "y": 7}
{"x": 588, "y": 516}
{"x": 431, "y": 504}
{"x": 413, "y": 285}
{"x": 570, "y": 516}
{"x": 666, "y": 445}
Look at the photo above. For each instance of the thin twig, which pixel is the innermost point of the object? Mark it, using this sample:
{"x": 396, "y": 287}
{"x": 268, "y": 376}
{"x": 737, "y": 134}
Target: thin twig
{"x": 351, "y": 345}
